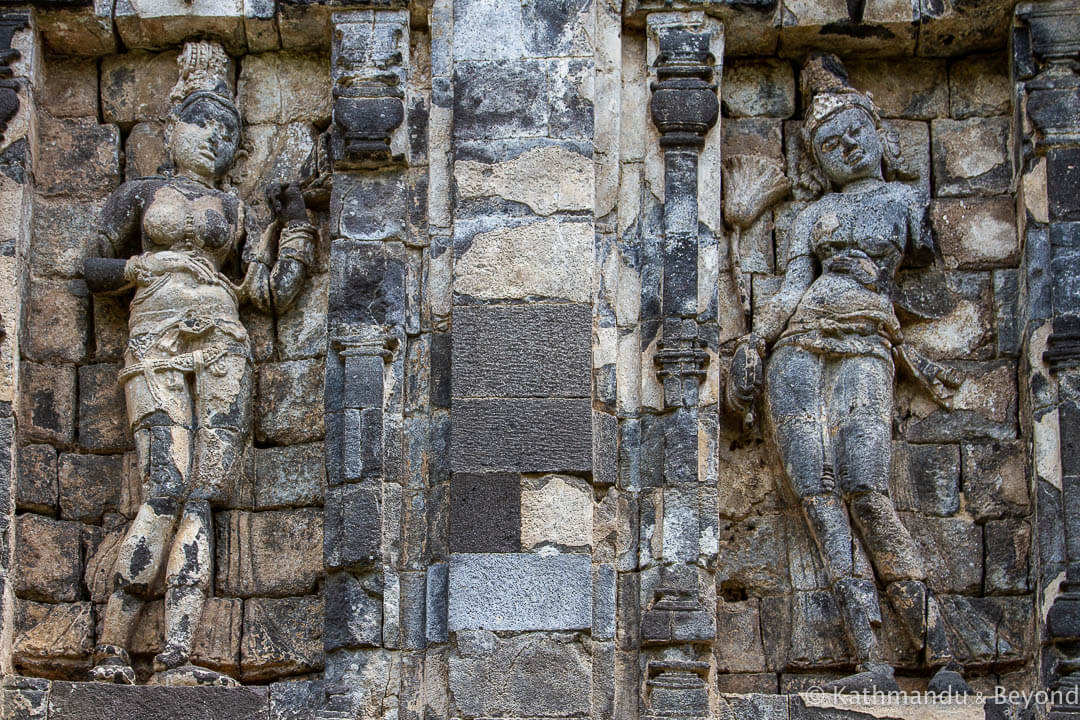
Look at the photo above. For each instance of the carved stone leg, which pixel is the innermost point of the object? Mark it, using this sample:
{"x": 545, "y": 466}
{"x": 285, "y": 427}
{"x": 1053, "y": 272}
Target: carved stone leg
{"x": 138, "y": 565}
{"x": 187, "y": 581}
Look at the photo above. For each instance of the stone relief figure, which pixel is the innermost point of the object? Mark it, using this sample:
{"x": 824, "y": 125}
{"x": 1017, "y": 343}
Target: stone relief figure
{"x": 825, "y": 349}
{"x": 187, "y": 373}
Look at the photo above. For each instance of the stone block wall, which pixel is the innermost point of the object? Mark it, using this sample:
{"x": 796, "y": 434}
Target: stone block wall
{"x": 468, "y": 493}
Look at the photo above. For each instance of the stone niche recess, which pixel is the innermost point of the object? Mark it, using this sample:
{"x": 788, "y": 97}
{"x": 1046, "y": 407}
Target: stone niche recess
{"x": 607, "y": 359}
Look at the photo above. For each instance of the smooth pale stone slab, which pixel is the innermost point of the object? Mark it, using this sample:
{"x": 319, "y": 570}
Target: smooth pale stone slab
{"x": 516, "y": 591}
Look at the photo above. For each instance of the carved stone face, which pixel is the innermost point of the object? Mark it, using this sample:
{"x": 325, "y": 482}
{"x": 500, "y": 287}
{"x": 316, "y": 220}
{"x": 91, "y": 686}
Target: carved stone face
{"x": 204, "y": 139}
{"x": 848, "y": 147}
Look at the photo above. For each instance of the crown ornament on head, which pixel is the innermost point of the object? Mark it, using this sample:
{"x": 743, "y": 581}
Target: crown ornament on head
{"x": 204, "y": 73}
{"x": 826, "y": 87}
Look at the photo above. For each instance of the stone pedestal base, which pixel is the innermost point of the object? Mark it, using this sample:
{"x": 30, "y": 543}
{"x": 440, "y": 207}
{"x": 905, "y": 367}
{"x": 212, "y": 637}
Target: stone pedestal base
{"x": 37, "y": 700}
{"x": 827, "y": 706}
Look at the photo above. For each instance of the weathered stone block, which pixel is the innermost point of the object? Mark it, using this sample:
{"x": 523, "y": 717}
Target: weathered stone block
{"x": 135, "y": 86}
{"x": 1008, "y": 550}
{"x": 57, "y": 315}
{"x": 353, "y": 527}
{"x": 48, "y": 559}
{"x": 984, "y": 407}
{"x": 988, "y": 630}
{"x": 296, "y": 700}
{"x": 802, "y": 630}
{"x": 995, "y": 480}
{"x": 738, "y": 646}
{"x": 367, "y": 284}
{"x": 507, "y": 591}
{"x": 524, "y": 435}
{"x": 77, "y": 30}
{"x": 1007, "y": 310}
{"x": 534, "y": 261}
{"x": 552, "y": 29}
{"x": 368, "y": 208}
{"x": 59, "y": 235}
{"x": 556, "y": 512}
{"x": 110, "y": 328}
{"x": 527, "y": 675}
{"x": 144, "y": 151}
{"x": 354, "y": 612}
{"x": 926, "y": 478}
{"x": 914, "y": 158}
{"x": 53, "y": 640}
{"x": 98, "y": 701}
{"x": 362, "y": 445}
{"x": 77, "y": 157}
{"x": 570, "y": 90}
{"x": 70, "y": 88}
{"x": 759, "y": 88}
{"x": 281, "y": 637}
{"x": 103, "y": 425}
{"x": 952, "y": 551}
{"x": 953, "y": 312}
{"x": 976, "y": 233}
{"x": 500, "y": 99}
{"x": 979, "y": 87}
{"x": 546, "y": 176}
{"x": 485, "y": 512}
{"x": 971, "y": 157}
{"x": 268, "y": 553}
{"x": 752, "y": 136}
{"x": 289, "y": 402}
{"x": 36, "y": 487}
{"x": 290, "y": 476}
{"x": 537, "y": 351}
{"x": 751, "y": 558}
{"x": 90, "y": 485}
{"x": 914, "y": 89}
{"x": 284, "y": 87}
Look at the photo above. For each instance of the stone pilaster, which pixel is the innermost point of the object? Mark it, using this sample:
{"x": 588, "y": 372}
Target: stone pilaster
{"x": 18, "y": 81}
{"x": 677, "y": 594}
{"x": 1046, "y": 53}
{"x": 364, "y": 389}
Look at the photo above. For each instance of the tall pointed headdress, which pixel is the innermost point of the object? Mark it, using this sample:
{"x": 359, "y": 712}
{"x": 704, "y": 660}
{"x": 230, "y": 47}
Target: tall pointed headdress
{"x": 204, "y": 74}
{"x": 827, "y": 91}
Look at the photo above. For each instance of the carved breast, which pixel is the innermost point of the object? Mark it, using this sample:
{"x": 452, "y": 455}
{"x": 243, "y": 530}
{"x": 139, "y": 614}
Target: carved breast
{"x": 179, "y": 220}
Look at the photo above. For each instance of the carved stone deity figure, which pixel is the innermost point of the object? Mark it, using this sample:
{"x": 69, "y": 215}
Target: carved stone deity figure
{"x": 187, "y": 373}
{"x": 832, "y": 339}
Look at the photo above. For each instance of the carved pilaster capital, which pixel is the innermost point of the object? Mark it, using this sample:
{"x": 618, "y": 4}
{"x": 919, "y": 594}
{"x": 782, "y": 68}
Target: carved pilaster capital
{"x": 373, "y": 342}
{"x": 684, "y": 105}
{"x": 1052, "y": 36}
{"x": 369, "y": 63}
{"x": 677, "y": 689}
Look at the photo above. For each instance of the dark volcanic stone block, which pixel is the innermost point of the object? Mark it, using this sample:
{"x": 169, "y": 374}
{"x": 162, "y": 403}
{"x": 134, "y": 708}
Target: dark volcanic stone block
{"x": 352, "y": 527}
{"x": 353, "y": 612}
{"x": 522, "y": 351}
{"x": 485, "y": 512}
{"x": 522, "y": 434}
{"x": 36, "y": 485}
{"x": 97, "y": 701}
{"x": 367, "y": 284}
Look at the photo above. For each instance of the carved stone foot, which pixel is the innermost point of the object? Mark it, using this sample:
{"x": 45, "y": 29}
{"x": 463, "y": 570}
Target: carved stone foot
{"x": 169, "y": 658}
{"x": 876, "y": 677}
{"x": 949, "y": 680}
{"x": 112, "y": 665}
{"x": 192, "y": 676}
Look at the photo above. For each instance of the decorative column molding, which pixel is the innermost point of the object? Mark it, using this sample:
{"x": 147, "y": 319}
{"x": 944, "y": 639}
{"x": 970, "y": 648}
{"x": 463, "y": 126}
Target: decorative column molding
{"x": 684, "y": 107}
{"x": 369, "y": 66}
{"x": 364, "y": 603}
{"x": 1047, "y": 60}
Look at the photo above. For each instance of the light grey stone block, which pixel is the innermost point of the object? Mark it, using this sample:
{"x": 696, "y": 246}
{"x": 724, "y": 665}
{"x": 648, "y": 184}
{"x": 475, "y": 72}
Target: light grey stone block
{"x": 510, "y": 591}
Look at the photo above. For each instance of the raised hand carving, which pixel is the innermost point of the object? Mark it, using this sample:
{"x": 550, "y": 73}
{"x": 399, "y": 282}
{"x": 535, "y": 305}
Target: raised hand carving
{"x": 188, "y": 367}
{"x": 830, "y": 341}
